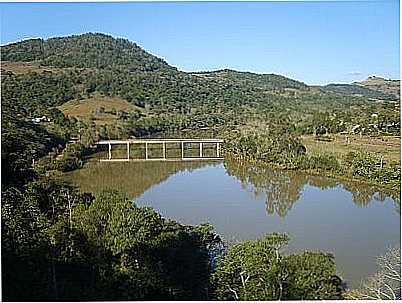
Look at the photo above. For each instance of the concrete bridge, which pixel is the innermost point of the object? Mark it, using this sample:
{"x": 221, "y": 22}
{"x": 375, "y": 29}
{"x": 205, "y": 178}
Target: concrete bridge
{"x": 130, "y": 143}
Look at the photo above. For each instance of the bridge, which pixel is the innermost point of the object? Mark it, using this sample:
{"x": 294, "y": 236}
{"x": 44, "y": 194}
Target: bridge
{"x": 164, "y": 143}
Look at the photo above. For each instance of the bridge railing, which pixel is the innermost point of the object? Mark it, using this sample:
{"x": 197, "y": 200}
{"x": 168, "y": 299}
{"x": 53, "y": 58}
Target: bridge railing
{"x": 131, "y": 144}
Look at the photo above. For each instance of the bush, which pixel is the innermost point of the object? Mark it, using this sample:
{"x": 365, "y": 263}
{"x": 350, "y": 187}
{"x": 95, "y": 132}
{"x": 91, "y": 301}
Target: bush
{"x": 324, "y": 161}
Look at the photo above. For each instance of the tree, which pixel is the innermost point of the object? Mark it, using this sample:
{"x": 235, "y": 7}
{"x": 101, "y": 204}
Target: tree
{"x": 256, "y": 270}
{"x": 386, "y": 283}
{"x": 312, "y": 277}
{"x": 140, "y": 255}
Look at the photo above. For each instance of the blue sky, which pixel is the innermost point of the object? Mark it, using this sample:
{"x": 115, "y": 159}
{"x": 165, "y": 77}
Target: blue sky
{"x": 315, "y": 42}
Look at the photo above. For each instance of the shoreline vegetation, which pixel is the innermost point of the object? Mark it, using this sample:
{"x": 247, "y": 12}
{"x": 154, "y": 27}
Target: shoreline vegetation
{"x": 314, "y": 172}
{"x": 61, "y": 95}
{"x": 284, "y": 151}
{"x": 357, "y": 166}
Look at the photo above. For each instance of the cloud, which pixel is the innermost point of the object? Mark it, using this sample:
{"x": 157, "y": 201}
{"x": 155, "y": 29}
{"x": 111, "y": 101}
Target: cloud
{"x": 355, "y": 73}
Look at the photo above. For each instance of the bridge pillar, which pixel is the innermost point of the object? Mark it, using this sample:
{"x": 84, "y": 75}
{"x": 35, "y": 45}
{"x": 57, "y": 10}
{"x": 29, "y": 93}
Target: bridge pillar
{"x": 164, "y": 150}
{"x": 217, "y": 149}
{"x": 110, "y": 151}
{"x": 128, "y": 150}
{"x": 146, "y": 150}
{"x": 200, "y": 149}
{"x": 182, "y": 150}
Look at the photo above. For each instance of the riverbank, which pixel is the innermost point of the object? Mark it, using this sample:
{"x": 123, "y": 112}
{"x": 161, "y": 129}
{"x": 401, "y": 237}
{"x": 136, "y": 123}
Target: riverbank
{"x": 335, "y": 175}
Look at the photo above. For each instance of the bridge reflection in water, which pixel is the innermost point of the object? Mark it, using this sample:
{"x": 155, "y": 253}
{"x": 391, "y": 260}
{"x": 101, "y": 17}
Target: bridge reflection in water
{"x": 165, "y": 144}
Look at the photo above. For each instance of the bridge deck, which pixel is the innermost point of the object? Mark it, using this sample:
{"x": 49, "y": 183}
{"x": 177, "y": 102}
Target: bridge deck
{"x": 159, "y": 141}
{"x": 164, "y": 143}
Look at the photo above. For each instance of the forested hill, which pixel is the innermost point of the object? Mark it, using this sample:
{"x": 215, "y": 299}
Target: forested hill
{"x": 262, "y": 81}
{"x": 41, "y": 75}
{"x": 84, "y": 51}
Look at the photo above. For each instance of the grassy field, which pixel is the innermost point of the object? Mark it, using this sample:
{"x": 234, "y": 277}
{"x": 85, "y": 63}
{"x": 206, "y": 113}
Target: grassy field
{"x": 99, "y": 108}
{"x": 388, "y": 147}
{"x": 26, "y": 67}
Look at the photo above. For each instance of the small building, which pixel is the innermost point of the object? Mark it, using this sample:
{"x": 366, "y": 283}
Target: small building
{"x": 40, "y": 119}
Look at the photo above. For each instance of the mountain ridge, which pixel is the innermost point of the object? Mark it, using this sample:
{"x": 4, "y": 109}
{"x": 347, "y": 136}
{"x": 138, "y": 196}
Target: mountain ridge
{"x": 74, "y": 67}
{"x": 100, "y": 50}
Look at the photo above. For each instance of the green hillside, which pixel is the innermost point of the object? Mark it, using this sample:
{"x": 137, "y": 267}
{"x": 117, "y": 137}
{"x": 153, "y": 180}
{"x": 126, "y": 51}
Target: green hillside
{"x": 84, "y": 51}
{"x": 60, "y": 96}
{"x": 65, "y": 78}
{"x": 360, "y": 90}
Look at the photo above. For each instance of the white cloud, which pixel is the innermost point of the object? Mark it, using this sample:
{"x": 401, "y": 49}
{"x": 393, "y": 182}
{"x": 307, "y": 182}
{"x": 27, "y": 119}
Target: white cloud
{"x": 355, "y": 73}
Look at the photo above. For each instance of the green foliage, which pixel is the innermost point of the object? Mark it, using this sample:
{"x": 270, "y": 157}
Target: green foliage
{"x": 32, "y": 245}
{"x": 36, "y": 92}
{"x": 275, "y": 146}
{"x": 66, "y": 247}
{"x": 168, "y": 259}
{"x": 252, "y": 271}
{"x": 255, "y": 270}
{"x": 85, "y": 51}
{"x": 355, "y": 89}
{"x": 58, "y": 244}
{"x": 312, "y": 277}
{"x": 326, "y": 162}
{"x": 116, "y": 67}
{"x": 366, "y": 166}
{"x": 22, "y": 142}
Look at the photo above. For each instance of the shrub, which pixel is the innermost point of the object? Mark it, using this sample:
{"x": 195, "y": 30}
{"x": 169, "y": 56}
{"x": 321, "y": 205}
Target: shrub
{"x": 326, "y": 162}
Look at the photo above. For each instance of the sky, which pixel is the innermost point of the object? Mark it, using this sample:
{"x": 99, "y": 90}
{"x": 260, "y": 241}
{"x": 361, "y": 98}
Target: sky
{"x": 314, "y": 42}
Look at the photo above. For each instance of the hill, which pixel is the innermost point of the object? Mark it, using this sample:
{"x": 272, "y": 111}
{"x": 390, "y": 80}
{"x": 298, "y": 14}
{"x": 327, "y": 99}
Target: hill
{"x": 91, "y": 50}
{"x": 94, "y": 86}
{"x": 118, "y": 67}
{"x": 358, "y": 89}
{"x": 261, "y": 81}
{"x": 379, "y": 84}
{"x": 38, "y": 75}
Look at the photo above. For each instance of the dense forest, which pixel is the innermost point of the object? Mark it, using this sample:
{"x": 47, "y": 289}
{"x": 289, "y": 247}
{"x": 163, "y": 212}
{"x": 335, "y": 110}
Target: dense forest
{"x": 60, "y": 244}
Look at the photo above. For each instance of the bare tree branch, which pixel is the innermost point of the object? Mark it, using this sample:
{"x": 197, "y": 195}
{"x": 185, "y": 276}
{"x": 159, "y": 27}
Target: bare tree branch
{"x": 386, "y": 283}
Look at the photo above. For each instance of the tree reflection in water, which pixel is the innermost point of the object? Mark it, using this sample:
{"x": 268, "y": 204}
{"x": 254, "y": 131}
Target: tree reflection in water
{"x": 133, "y": 178}
{"x": 283, "y": 188}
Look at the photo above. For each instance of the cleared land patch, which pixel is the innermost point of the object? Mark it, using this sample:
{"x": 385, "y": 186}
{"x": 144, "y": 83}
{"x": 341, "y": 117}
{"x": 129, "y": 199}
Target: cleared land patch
{"x": 386, "y": 146}
{"x": 25, "y": 67}
{"x": 101, "y": 109}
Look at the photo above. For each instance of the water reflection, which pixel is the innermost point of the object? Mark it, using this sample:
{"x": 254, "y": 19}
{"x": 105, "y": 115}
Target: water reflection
{"x": 355, "y": 221}
{"x": 133, "y": 178}
{"x": 283, "y": 188}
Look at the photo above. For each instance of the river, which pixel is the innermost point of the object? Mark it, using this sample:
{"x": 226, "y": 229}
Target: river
{"x": 356, "y": 222}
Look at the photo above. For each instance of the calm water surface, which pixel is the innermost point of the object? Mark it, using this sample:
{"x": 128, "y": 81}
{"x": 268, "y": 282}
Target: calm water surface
{"x": 353, "y": 221}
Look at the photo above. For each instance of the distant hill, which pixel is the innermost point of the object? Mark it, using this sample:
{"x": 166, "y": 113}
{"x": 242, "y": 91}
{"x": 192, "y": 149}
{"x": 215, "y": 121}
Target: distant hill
{"x": 262, "y": 81}
{"x": 382, "y": 85}
{"x": 359, "y": 89}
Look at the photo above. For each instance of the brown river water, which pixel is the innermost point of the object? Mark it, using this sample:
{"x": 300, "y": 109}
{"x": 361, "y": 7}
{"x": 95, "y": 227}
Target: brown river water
{"x": 354, "y": 221}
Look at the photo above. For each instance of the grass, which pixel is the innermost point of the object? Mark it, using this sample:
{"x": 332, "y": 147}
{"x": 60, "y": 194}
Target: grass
{"x": 90, "y": 108}
{"x": 386, "y": 146}
{"x": 26, "y": 67}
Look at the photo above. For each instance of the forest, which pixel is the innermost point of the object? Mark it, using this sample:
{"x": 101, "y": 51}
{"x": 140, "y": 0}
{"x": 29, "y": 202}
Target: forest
{"x": 61, "y": 244}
